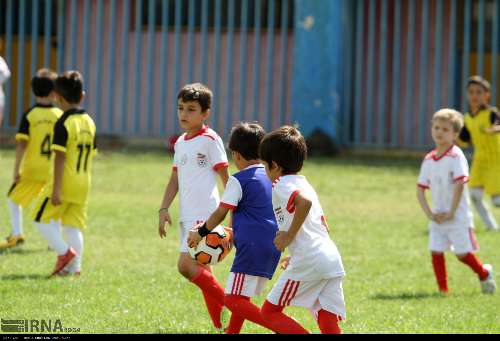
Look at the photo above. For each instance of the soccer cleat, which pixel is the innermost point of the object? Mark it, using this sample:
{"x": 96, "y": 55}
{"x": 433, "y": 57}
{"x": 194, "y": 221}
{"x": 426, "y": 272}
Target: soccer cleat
{"x": 488, "y": 286}
{"x": 11, "y": 241}
{"x": 64, "y": 260}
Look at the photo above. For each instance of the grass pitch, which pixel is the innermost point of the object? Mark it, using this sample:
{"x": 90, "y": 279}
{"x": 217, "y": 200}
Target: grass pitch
{"x": 130, "y": 284}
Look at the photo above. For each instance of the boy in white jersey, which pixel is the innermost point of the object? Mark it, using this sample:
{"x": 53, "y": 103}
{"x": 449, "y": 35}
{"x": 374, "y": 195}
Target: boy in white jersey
{"x": 199, "y": 158}
{"x": 445, "y": 172}
{"x": 314, "y": 270}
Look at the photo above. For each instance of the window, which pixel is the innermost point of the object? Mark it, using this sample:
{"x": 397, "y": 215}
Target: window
{"x": 28, "y": 14}
{"x": 211, "y": 5}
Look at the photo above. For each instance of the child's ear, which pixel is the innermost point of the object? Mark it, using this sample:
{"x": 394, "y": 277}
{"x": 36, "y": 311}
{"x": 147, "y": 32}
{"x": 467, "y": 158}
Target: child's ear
{"x": 83, "y": 96}
{"x": 206, "y": 114}
{"x": 274, "y": 166}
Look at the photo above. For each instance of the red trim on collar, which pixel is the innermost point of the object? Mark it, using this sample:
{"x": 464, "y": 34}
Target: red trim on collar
{"x": 201, "y": 132}
{"x": 442, "y": 155}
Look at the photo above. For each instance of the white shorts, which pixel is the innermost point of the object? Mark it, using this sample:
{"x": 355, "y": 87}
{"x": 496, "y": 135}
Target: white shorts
{"x": 245, "y": 285}
{"x": 459, "y": 241}
{"x": 184, "y": 233}
{"x": 326, "y": 294}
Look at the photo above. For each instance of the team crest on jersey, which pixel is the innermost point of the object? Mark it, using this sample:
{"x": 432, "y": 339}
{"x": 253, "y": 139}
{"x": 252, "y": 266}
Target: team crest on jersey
{"x": 202, "y": 160}
{"x": 280, "y": 216}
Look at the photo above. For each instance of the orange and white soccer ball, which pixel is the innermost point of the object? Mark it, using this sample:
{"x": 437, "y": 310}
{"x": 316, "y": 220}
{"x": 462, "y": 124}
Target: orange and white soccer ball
{"x": 212, "y": 249}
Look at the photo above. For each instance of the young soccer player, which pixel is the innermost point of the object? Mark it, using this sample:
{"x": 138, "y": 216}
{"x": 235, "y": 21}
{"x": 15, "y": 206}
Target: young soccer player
{"x": 199, "y": 158}
{"x": 482, "y": 129}
{"x": 248, "y": 197}
{"x": 4, "y": 76}
{"x": 445, "y": 172}
{"x": 33, "y": 155}
{"x": 64, "y": 201}
{"x": 313, "y": 276}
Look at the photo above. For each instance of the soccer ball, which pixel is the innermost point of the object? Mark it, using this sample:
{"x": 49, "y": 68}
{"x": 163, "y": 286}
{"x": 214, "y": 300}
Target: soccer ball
{"x": 210, "y": 249}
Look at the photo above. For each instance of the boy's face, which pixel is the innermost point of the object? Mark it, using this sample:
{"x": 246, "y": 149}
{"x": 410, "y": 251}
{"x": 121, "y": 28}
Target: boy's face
{"x": 477, "y": 96}
{"x": 191, "y": 117}
{"x": 443, "y": 133}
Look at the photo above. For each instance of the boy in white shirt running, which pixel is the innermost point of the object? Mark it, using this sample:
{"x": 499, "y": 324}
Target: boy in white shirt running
{"x": 445, "y": 172}
{"x": 314, "y": 270}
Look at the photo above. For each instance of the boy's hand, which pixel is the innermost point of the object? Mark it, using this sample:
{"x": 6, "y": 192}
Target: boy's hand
{"x": 442, "y": 217}
{"x": 164, "y": 217}
{"x": 284, "y": 262}
{"x": 56, "y": 199}
{"x": 281, "y": 241}
{"x": 194, "y": 238}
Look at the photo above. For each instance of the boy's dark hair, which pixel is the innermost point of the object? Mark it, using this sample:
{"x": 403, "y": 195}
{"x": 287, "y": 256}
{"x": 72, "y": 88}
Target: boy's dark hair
{"x": 70, "y": 86}
{"x": 196, "y": 92}
{"x": 42, "y": 84}
{"x": 478, "y": 80}
{"x": 245, "y": 139}
{"x": 287, "y": 147}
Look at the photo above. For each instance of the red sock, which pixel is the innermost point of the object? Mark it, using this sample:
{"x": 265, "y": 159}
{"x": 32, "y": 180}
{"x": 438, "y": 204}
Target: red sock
{"x": 475, "y": 264}
{"x": 243, "y": 308}
{"x": 328, "y": 322}
{"x": 235, "y": 324}
{"x": 280, "y": 322}
{"x": 213, "y": 294}
{"x": 439, "y": 265}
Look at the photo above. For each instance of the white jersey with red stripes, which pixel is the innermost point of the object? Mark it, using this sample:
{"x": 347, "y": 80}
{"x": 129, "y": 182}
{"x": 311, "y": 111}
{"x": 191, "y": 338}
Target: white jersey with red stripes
{"x": 314, "y": 256}
{"x": 196, "y": 160}
{"x": 439, "y": 174}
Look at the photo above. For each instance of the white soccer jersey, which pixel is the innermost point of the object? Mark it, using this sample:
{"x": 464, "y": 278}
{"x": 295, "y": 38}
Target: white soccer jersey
{"x": 196, "y": 159}
{"x": 4, "y": 75}
{"x": 439, "y": 175}
{"x": 314, "y": 256}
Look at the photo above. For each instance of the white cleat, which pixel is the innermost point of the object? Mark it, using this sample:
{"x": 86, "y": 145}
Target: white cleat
{"x": 488, "y": 286}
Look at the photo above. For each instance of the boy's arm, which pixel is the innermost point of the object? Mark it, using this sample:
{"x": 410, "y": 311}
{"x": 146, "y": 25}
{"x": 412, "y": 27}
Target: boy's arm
{"x": 223, "y": 174}
{"x": 58, "y": 175}
{"x": 214, "y": 220}
{"x": 458, "y": 189}
{"x": 20, "y": 149}
{"x": 424, "y": 204}
{"x": 169, "y": 195}
{"x": 302, "y": 207}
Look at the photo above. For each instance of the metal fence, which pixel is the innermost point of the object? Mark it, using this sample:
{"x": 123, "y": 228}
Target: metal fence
{"x": 136, "y": 54}
{"x": 401, "y": 60}
{"x": 410, "y": 58}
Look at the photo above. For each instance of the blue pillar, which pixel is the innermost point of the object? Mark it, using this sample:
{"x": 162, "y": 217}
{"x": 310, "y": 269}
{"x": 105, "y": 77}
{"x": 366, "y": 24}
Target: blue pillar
{"x": 317, "y": 84}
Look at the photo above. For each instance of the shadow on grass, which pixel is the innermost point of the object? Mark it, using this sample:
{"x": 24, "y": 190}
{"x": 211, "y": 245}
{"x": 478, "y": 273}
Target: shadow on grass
{"x": 21, "y": 251}
{"x": 16, "y": 277}
{"x": 406, "y": 296}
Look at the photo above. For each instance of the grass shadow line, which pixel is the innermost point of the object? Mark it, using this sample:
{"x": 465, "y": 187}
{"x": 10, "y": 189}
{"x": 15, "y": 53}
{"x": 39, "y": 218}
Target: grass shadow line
{"x": 15, "y": 277}
{"x": 406, "y": 296}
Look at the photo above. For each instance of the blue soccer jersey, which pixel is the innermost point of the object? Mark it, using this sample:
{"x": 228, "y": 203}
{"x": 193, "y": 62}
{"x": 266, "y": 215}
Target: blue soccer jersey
{"x": 248, "y": 195}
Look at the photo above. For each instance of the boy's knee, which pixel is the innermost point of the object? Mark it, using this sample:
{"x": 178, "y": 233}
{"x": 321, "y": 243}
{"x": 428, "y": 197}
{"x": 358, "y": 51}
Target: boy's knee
{"x": 496, "y": 200}
{"x": 185, "y": 269}
{"x": 476, "y": 194}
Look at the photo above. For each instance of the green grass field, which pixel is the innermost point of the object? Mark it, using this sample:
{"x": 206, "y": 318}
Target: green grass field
{"x": 130, "y": 283}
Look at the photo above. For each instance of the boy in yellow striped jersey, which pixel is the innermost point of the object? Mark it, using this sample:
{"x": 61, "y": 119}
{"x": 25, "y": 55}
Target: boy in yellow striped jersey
{"x": 482, "y": 130}
{"x": 33, "y": 155}
{"x": 64, "y": 201}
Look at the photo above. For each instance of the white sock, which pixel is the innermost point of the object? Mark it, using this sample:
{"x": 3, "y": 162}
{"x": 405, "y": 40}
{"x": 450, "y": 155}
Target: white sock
{"x": 16, "y": 216}
{"x": 74, "y": 237}
{"x": 496, "y": 200}
{"x": 482, "y": 209}
{"x": 52, "y": 233}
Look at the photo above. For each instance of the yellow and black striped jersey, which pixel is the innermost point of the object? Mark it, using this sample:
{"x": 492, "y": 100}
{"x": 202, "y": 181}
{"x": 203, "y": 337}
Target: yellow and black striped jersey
{"x": 37, "y": 128}
{"x": 75, "y": 135}
{"x": 485, "y": 145}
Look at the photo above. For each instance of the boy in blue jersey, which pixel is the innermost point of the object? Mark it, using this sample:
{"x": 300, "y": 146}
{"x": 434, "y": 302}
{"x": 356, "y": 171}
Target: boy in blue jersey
{"x": 248, "y": 196}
